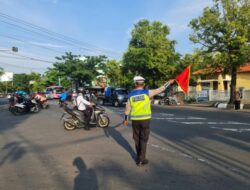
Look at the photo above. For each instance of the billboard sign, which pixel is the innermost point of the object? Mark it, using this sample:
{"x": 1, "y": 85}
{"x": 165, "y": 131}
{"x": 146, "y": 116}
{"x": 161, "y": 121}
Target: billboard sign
{"x": 6, "y": 77}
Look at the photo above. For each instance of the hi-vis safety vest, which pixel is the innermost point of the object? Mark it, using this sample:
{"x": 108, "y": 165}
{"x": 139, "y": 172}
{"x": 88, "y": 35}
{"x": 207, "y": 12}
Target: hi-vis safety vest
{"x": 140, "y": 104}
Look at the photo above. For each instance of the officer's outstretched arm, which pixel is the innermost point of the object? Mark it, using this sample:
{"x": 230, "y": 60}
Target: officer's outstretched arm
{"x": 154, "y": 92}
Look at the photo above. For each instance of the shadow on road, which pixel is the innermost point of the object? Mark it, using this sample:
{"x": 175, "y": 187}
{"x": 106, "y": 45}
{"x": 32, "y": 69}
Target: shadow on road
{"x": 86, "y": 178}
{"x": 15, "y": 152}
{"x": 116, "y": 135}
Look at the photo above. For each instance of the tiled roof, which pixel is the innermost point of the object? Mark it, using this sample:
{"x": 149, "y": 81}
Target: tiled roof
{"x": 208, "y": 70}
{"x": 243, "y": 69}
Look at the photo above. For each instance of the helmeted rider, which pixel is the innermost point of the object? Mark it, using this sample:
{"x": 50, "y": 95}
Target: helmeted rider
{"x": 63, "y": 97}
{"x": 84, "y": 106}
{"x": 40, "y": 97}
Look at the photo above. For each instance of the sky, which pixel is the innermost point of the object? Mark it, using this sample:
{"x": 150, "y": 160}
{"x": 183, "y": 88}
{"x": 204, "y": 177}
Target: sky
{"x": 44, "y": 29}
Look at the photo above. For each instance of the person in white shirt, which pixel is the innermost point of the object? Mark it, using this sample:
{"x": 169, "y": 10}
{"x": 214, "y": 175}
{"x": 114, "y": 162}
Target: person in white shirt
{"x": 84, "y": 106}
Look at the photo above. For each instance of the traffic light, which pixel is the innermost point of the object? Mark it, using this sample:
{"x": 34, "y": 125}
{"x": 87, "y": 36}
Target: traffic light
{"x": 14, "y": 49}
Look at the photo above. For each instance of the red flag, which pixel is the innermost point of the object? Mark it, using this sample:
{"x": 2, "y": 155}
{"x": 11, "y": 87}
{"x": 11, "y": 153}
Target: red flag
{"x": 183, "y": 79}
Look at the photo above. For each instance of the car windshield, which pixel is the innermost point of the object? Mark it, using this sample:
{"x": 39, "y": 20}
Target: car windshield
{"x": 120, "y": 91}
{"x": 58, "y": 90}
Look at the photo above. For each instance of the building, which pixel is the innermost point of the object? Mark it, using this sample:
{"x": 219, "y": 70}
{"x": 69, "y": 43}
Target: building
{"x": 215, "y": 79}
{"x": 214, "y": 85}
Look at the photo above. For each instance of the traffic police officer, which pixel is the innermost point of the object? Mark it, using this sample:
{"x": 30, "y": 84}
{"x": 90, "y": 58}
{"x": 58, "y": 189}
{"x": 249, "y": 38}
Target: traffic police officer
{"x": 139, "y": 109}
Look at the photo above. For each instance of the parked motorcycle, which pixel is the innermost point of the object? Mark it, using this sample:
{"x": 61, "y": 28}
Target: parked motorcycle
{"x": 25, "y": 107}
{"x": 76, "y": 120}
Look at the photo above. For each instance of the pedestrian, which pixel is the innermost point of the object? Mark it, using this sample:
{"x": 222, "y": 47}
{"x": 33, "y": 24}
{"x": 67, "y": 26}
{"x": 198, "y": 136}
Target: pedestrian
{"x": 139, "y": 109}
{"x": 237, "y": 97}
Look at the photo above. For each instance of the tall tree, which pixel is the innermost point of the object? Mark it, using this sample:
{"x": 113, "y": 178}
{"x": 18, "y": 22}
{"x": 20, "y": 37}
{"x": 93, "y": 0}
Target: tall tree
{"x": 81, "y": 71}
{"x": 114, "y": 73}
{"x": 223, "y": 32}
{"x": 150, "y": 52}
{"x": 21, "y": 82}
{"x": 1, "y": 71}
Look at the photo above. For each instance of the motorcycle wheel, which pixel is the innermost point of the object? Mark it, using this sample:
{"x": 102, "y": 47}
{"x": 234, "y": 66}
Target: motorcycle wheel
{"x": 68, "y": 126}
{"x": 102, "y": 122}
{"x": 46, "y": 106}
{"x": 16, "y": 111}
{"x": 36, "y": 109}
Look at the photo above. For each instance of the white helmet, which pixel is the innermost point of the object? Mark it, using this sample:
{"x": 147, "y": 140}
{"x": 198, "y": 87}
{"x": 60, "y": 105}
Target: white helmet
{"x": 138, "y": 79}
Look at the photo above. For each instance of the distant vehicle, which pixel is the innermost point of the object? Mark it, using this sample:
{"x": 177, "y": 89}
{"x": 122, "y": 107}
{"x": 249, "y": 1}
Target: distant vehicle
{"x": 53, "y": 91}
{"x": 117, "y": 96}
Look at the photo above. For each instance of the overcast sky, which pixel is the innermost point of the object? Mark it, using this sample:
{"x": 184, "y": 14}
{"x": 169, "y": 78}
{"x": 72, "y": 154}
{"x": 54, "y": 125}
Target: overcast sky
{"x": 101, "y": 26}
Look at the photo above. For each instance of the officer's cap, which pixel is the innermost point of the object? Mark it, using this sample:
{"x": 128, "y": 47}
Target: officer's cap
{"x": 138, "y": 79}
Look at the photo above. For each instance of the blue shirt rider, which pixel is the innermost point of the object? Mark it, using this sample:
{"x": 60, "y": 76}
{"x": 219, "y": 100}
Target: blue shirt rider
{"x": 64, "y": 96}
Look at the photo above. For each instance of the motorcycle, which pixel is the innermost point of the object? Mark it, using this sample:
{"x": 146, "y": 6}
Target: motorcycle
{"x": 76, "y": 120}
{"x": 25, "y": 107}
{"x": 42, "y": 104}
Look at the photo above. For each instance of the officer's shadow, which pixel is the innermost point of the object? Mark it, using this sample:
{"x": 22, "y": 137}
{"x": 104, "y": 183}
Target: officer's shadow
{"x": 116, "y": 135}
{"x": 86, "y": 178}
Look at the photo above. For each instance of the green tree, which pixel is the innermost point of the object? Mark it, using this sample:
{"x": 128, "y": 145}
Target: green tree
{"x": 1, "y": 71}
{"x": 114, "y": 73}
{"x": 223, "y": 32}
{"x": 35, "y": 82}
{"x": 150, "y": 53}
{"x": 21, "y": 82}
{"x": 81, "y": 71}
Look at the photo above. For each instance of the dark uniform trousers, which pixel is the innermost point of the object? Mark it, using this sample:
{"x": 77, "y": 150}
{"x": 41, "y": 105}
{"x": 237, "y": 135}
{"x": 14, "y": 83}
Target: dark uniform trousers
{"x": 141, "y": 134}
{"x": 87, "y": 115}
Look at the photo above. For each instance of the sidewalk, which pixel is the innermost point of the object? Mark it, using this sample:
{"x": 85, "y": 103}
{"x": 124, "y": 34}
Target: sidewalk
{"x": 212, "y": 106}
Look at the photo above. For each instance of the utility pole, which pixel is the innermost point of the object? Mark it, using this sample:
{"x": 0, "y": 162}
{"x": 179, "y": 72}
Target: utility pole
{"x": 59, "y": 81}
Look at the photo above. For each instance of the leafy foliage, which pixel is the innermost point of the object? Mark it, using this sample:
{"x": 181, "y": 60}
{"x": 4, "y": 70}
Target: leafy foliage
{"x": 223, "y": 31}
{"x": 74, "y": 68}
{"x": 1, "y": 71}
{"x": 150, "y": 53}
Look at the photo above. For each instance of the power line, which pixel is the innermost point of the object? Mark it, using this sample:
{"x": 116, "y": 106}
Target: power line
{"x": 40, "y": 46}
{"x": 48, "y": 36}
{"x": 23, "y": 67}
{"x": 58, "y": 36}
{"x": 21, "y": 58}
{"x": 29, "y": 58}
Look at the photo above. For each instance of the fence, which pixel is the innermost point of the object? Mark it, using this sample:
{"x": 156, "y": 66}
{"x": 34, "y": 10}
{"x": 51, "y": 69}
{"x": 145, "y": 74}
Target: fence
{"x": 246, "y": 96}
{"x": 215, "y": 95}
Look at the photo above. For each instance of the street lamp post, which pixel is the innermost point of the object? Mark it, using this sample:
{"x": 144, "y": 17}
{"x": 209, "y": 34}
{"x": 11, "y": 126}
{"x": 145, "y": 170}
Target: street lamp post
{"x": 13, "y": 49}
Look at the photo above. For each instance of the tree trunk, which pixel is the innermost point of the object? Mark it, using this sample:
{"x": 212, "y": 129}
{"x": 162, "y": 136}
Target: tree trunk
{"x": 233, "y": 83}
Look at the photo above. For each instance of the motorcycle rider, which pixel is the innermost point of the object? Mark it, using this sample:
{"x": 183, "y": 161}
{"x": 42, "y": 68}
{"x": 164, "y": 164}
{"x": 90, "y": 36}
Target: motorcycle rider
{"x": 85, "y": 107}
{"x": 63, "y": 97}
{"x": 40, "y": 98}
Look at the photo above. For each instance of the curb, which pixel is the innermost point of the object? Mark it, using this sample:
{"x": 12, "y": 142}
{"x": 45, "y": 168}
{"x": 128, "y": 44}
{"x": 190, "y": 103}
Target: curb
{"x": 215, "y": 106}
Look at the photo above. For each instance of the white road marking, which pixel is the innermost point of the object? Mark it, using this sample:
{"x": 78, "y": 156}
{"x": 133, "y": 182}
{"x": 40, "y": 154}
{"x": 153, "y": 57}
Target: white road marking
{"x": 198, "y": 118}
{"x": 193, "y": 123}
{"x": 231, "y": 129}
{"x": 213, "y": 123}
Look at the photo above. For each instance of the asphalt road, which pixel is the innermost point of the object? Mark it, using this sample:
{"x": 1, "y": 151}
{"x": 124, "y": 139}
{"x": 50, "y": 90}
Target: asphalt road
{"x": 188, "y": 149}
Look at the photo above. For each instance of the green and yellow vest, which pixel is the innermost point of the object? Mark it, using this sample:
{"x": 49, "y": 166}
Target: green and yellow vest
{"x": 140, "y": 104}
